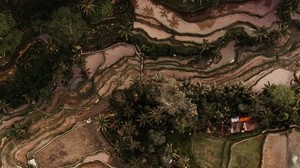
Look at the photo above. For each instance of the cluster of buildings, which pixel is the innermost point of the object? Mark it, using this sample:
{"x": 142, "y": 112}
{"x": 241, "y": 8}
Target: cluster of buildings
{"x": 238, "y": 125}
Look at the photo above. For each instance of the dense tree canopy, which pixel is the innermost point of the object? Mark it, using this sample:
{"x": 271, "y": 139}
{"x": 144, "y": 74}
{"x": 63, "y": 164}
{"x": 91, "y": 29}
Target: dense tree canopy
{"x": 10, "y": 36}
{"x": 154, "y": 109}
{"x": 67, "y": 26}
{"x": 147, "y": 113}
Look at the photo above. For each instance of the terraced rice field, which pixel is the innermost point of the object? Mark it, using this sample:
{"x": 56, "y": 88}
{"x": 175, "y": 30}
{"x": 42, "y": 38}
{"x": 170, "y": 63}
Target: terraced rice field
{"x": 209, "y": 25}
{"x": 275, "y": 151}
{"x": 267, "y": 150}
{"x": 294, "y": 149}
{"x": 207, "y": 151}
{"x": 70, "y": 147}
{"x": 246, "y": 153}
{"x": 253, "y": 66}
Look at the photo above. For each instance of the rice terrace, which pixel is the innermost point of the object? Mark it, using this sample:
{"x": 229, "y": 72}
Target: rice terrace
{"x": 150, "y": 83}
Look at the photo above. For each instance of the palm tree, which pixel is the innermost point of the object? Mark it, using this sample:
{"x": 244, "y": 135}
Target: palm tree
{"x": 120, "y": 81}
{"x": 136, "y": 162}
{"x": 138, "y": 79}
{"x": 133, "y": 145}
{"x": 126, "y": 11}
{"x": 173, "y": 23}
{"x": 61, "y": 74}
{"x": 102, "y": 123}
{"x": 281, "y": 31}
{"x": 62, "y": 66}
{"x": 181, "y": 161}
{"x": 201, "y": 89}
{"x": 158, "y": 77}
{"x": 164, "y": 13}
{"x": 125, "y": 31}
{"x": 51, "y": 48}
{"x": 148, "y": 10}
{"x": 4, "y": 107}
{"x": 265, "y": 117}
{"x": 206, "y": 46}
{"x": 128, "y": 128}
{"x": 187, "y": 83}
{"x": 143, "y": 120}
{"x": 156, "y": 116}
{"x": 80, "y": 61}
{"x": 267, "y": 87}
{"x": 87, "y": 6}
{"x": 169, "y": 149}
{"x": 117, "y": 147}
{"x": 261, "y": 33}
{"x": 128, "y": 111}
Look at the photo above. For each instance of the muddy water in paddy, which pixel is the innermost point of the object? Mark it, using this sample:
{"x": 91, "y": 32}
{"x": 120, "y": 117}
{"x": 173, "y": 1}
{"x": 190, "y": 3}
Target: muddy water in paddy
{"x": 175, "y": 22}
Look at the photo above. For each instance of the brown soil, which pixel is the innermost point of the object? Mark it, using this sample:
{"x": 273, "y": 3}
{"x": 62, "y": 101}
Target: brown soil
{"x": 275, "y": 151}
{"x": 69, "y": 148}
{"x": 95, "y": 164}
{"x": 294, "y": 149}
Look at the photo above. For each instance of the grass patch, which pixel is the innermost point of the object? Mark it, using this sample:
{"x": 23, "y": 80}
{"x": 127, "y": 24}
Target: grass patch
{"x": 226, "y": 153}
{"x": 246, "y": 153}
{"x": 207, "y": 150}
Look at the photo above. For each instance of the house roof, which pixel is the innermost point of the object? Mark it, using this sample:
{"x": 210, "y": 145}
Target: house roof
{"x": 235, "y": 127}
{"x": 250, "y": 125}
{"x": 244, "y": 119}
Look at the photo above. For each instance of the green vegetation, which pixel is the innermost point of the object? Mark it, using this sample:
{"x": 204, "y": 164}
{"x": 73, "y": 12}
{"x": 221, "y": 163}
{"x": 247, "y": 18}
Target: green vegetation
{"x": 51, "y": 31}
{"x": 247, "y": 153}
{"x": 19, "y": 131}
{"x": 146, "y": 117}
{"x": 279, "y": 108}
{"x": 153, "y": 111}
{"x": 193, "y": 5}
{"x": 207, "y": 150}
{"x": 67, "y": 27}
{"x": 188, "y": 5}
{"x": 263, "y": 36}
{"x": 10, "y": 35}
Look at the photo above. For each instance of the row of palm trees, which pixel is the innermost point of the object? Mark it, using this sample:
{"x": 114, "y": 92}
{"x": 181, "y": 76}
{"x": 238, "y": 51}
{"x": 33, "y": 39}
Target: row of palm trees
{"x": 265, "y": 34}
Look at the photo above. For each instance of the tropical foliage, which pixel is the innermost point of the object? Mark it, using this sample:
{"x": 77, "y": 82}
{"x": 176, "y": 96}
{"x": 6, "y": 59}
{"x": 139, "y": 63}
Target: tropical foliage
{"x": 67, "y": 26}
{"x": 154, "y": 110}
{"x": 51, "y": 31}
{"x": 19, "y": 131}
{"x": 10, "y": 36}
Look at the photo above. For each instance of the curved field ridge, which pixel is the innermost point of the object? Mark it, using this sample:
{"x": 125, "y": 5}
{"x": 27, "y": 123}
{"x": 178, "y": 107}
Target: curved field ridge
{"x": 104, "y": 58}
{"x": 115, "y": 69}
{"x": 256, "y": 8}
{"x": 208, "y": 28}
{"x": 278, "y": 76}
